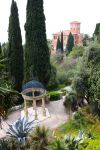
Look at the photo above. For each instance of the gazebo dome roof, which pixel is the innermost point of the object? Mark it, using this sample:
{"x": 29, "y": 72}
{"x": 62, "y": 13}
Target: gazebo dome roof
{"x": 32, "y": 84}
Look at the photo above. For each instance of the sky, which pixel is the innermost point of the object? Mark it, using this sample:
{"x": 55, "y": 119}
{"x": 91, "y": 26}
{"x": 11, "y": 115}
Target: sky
{"x": 58, "y": 13}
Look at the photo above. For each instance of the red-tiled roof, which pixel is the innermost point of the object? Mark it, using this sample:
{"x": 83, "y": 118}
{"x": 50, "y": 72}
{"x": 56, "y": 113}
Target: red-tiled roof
{"x": 56, "y": 33}
{"x": 74, "y": 22}
{"x": 65, "y": 32}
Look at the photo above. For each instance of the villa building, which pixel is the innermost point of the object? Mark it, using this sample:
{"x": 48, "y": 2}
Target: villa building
{"x": 74, "y": 29}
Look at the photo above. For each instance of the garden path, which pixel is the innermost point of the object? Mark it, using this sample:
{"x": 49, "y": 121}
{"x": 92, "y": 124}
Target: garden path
{"x": 57, "y": 117}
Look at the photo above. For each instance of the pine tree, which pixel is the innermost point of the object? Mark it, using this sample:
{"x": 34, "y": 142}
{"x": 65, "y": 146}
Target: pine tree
{"x": 70, "y": 42}
{"x": 37, "y": 56}
{"x": 58, "y": 46}
{"x": 15, "y": 48}
{"x": 62, "y": 42}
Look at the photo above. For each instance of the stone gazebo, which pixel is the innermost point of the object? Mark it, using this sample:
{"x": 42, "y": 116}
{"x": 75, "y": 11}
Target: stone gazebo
{"x": 34, "y": 91}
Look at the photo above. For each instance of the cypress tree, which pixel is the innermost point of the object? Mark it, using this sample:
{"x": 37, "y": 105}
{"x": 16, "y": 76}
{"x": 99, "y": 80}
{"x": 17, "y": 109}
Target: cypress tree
{"x": 0, "y": 50}
{"x": 96, "y": 32}
{"x": 37, "y": 56}
{"x": 62, "y": 42}
{"x": 15, "y": 48}
{"x": 70, "y": 42}
{"x": 58, "y": 46}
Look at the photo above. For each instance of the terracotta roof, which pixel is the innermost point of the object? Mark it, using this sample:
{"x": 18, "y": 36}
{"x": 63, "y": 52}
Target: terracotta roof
{"x": 74, "y": 22}
{"x": 56, "y": 33}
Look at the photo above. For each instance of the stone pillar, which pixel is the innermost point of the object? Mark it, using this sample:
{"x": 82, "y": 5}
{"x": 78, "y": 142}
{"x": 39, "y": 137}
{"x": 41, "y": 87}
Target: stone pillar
{"x": 33, "y": 101}
{"x": 43, "y": 106}
{"x": 25, "y": 108}
{"x": 35, "y": 109}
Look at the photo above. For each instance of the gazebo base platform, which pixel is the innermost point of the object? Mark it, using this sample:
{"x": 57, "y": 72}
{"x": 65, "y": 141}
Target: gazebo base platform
{"x": 31, "y": 114}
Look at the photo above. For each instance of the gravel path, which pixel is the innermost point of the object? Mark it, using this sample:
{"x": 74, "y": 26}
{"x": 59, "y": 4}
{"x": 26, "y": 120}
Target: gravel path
{"x": 57, "y": 117}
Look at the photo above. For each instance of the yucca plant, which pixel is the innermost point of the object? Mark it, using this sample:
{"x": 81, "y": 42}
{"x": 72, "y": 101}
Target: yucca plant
{"x": 39, "y": 138}
{"x": 57, "y": 144}
{"x": 73, "y": 142}
{"x": 20, "y": 129}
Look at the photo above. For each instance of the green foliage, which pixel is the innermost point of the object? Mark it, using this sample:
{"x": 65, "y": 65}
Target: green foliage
{"x": 15, "y": 49}
{"x": 37, "y": 56}
{"x": 39, "y": 138}
{"x": 5, "y": 50}
{"x": 62, "y": 49}
{"x": 4, "y": 145}
{"x": 58, "y": 46}
{"x": 94, "y": 79}
{"x": 0, "y": 50}
{"x": 54, "y": 95}
{"x": 70, "y": 99}
{"x": 70, "y": 42}
{"x": 77, "y": 51}
{"x": 53, "y": 83}
{"x": 57, "y": 144}
{"x": 80, "y": 121}
{"x": 72, "y": 143}
{"x": 92, "y": 144}
{"x": 8, "y": 99}
{"x": 85, "y": 40}
{"x": 96, "y": 32}
{"x": 59, "y": 57}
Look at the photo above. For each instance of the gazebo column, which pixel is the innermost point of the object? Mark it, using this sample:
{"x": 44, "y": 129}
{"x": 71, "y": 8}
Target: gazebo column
{"x": 43, "y": 106}
{"x": 33, "y": 102}
{"x": 25, "y": 108}
{"x": 35, "y": 109}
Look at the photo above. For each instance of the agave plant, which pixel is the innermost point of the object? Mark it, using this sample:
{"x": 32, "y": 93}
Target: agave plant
{"x": 20, "y": 129}
{"x": 73, "y": 142}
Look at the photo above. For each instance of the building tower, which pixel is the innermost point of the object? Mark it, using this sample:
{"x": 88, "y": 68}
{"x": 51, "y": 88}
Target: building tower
{"x": 75, "y": 27}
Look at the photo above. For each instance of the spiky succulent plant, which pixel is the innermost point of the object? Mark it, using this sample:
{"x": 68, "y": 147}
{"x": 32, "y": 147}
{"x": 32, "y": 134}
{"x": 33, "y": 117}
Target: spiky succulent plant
{"x": 20, "y": 129}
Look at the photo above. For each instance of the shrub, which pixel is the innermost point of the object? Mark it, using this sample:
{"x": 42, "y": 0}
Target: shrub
{"x": 77, "y": 51}
{"x": 61, "y": 77}
{"x": 54, "y": 95}
{"x": 80, "y": 120}
{"x": 70, "y": 100}
{"x": 39, "y": 138}
{"x": 63, "y": 92}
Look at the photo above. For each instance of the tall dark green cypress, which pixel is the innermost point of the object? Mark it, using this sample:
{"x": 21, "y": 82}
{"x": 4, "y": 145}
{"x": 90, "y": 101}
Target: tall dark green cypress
{"x": 70, "y": 42}
{"x": 37, "y": 56}
{"x": 62, "y": 49}
{"x": 0, "y": 50}
{"x": 58, "y": 46}
{"x": 15, "y": 48}
{"x": 96, "y": 32}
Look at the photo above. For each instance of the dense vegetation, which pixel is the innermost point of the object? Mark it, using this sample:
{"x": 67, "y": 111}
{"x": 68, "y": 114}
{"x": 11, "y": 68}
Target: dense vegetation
{"x": 74, "y": 74}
